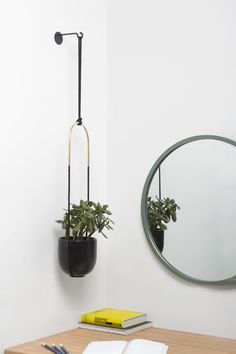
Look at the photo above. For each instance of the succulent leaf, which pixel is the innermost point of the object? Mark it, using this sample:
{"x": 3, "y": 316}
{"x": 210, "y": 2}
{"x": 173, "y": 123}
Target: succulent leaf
{"x": 86, "y": 218}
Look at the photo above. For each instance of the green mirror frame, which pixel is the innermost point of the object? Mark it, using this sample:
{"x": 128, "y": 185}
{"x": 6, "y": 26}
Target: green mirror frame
{"x": 228, "y": 281}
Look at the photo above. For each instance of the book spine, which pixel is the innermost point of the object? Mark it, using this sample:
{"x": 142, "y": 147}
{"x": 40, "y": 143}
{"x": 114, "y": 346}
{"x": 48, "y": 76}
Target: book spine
{"x": 102, "y": 321}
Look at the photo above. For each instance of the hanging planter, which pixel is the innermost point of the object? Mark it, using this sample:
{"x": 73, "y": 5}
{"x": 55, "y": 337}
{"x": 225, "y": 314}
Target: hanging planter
{"x": 77, "y": 249}
{"x": 77, "y": 257}
{"x": 78, "y": 252}
{"x": 160, "y": 212}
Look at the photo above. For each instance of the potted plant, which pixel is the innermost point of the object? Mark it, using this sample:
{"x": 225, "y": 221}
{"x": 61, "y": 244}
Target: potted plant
{"x": 78, "y": 252}
{"x": 160, "y": 212}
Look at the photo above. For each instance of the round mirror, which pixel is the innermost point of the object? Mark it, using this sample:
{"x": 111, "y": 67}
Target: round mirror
{"x": 188, "y": 209}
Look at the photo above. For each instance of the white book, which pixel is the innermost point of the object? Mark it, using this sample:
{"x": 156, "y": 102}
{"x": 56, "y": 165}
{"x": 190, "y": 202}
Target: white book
{"x": 141, "y": 346}
{"x": 123, "y": 331}
{"x": 135, "y": 346}
{"x": 106, "y": 347}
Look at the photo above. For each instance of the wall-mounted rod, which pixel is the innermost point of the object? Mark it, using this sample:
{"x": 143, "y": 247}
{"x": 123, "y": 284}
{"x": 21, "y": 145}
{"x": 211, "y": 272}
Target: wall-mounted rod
{"x": 59, "y": 39}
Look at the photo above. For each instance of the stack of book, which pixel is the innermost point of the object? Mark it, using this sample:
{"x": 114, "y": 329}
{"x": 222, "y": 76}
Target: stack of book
{"x": 115, "y": 321}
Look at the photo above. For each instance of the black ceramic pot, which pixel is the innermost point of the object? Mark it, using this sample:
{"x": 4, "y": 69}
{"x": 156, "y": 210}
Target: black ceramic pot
{"x": 158, "y": 237}
{"x": 77, "y": 258}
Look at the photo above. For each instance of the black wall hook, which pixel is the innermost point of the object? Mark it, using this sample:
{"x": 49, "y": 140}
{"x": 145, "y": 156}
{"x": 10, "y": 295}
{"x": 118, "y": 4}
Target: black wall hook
{"x": 58, "y": 37}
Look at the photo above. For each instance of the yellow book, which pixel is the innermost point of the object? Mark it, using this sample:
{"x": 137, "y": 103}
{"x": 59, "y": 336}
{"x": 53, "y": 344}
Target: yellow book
{"x": 113, "y": 317}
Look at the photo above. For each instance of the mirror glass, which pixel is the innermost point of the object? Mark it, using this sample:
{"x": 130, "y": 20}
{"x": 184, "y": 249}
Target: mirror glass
{"x": 199, "y": 174}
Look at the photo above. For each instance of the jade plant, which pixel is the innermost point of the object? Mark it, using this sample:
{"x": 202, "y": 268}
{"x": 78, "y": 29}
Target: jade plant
{"x": 85, "y": 219}
{"x": 160, "y": 212}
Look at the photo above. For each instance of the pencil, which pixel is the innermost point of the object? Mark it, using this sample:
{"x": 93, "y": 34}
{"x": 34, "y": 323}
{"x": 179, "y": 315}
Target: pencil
{"x": 59, "y": 350}
{"x": 45, "y": 345}
{"x": 65, "y": 351}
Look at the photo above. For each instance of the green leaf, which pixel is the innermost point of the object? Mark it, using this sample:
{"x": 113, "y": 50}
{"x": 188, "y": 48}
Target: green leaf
{"x": 87, "y": 218}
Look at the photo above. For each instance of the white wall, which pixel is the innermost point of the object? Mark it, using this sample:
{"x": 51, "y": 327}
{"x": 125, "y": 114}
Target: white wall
{"x": 38, "y": 104}
{"x": 172, "y": 75}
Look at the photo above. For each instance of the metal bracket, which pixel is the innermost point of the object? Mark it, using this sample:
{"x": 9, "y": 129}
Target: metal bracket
{"x": 59, "y": 36}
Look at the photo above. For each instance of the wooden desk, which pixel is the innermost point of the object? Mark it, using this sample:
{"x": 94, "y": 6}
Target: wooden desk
{"x": 179, "y": 342}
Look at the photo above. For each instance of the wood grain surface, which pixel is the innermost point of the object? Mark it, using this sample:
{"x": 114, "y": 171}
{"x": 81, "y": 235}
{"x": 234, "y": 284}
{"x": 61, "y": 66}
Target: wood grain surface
{"x": 77, "y": 339}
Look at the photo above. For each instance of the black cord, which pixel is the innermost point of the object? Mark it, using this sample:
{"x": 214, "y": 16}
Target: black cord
{"x": 79, "y": 120}
{"x": 159, "y": 170}
{"x": 68, "y": 207}
{"x": 59, "y": 39}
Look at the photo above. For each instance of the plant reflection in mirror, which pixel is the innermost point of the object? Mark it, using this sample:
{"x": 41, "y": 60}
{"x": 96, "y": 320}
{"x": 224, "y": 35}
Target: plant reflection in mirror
{"x": 160, "y": 212}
